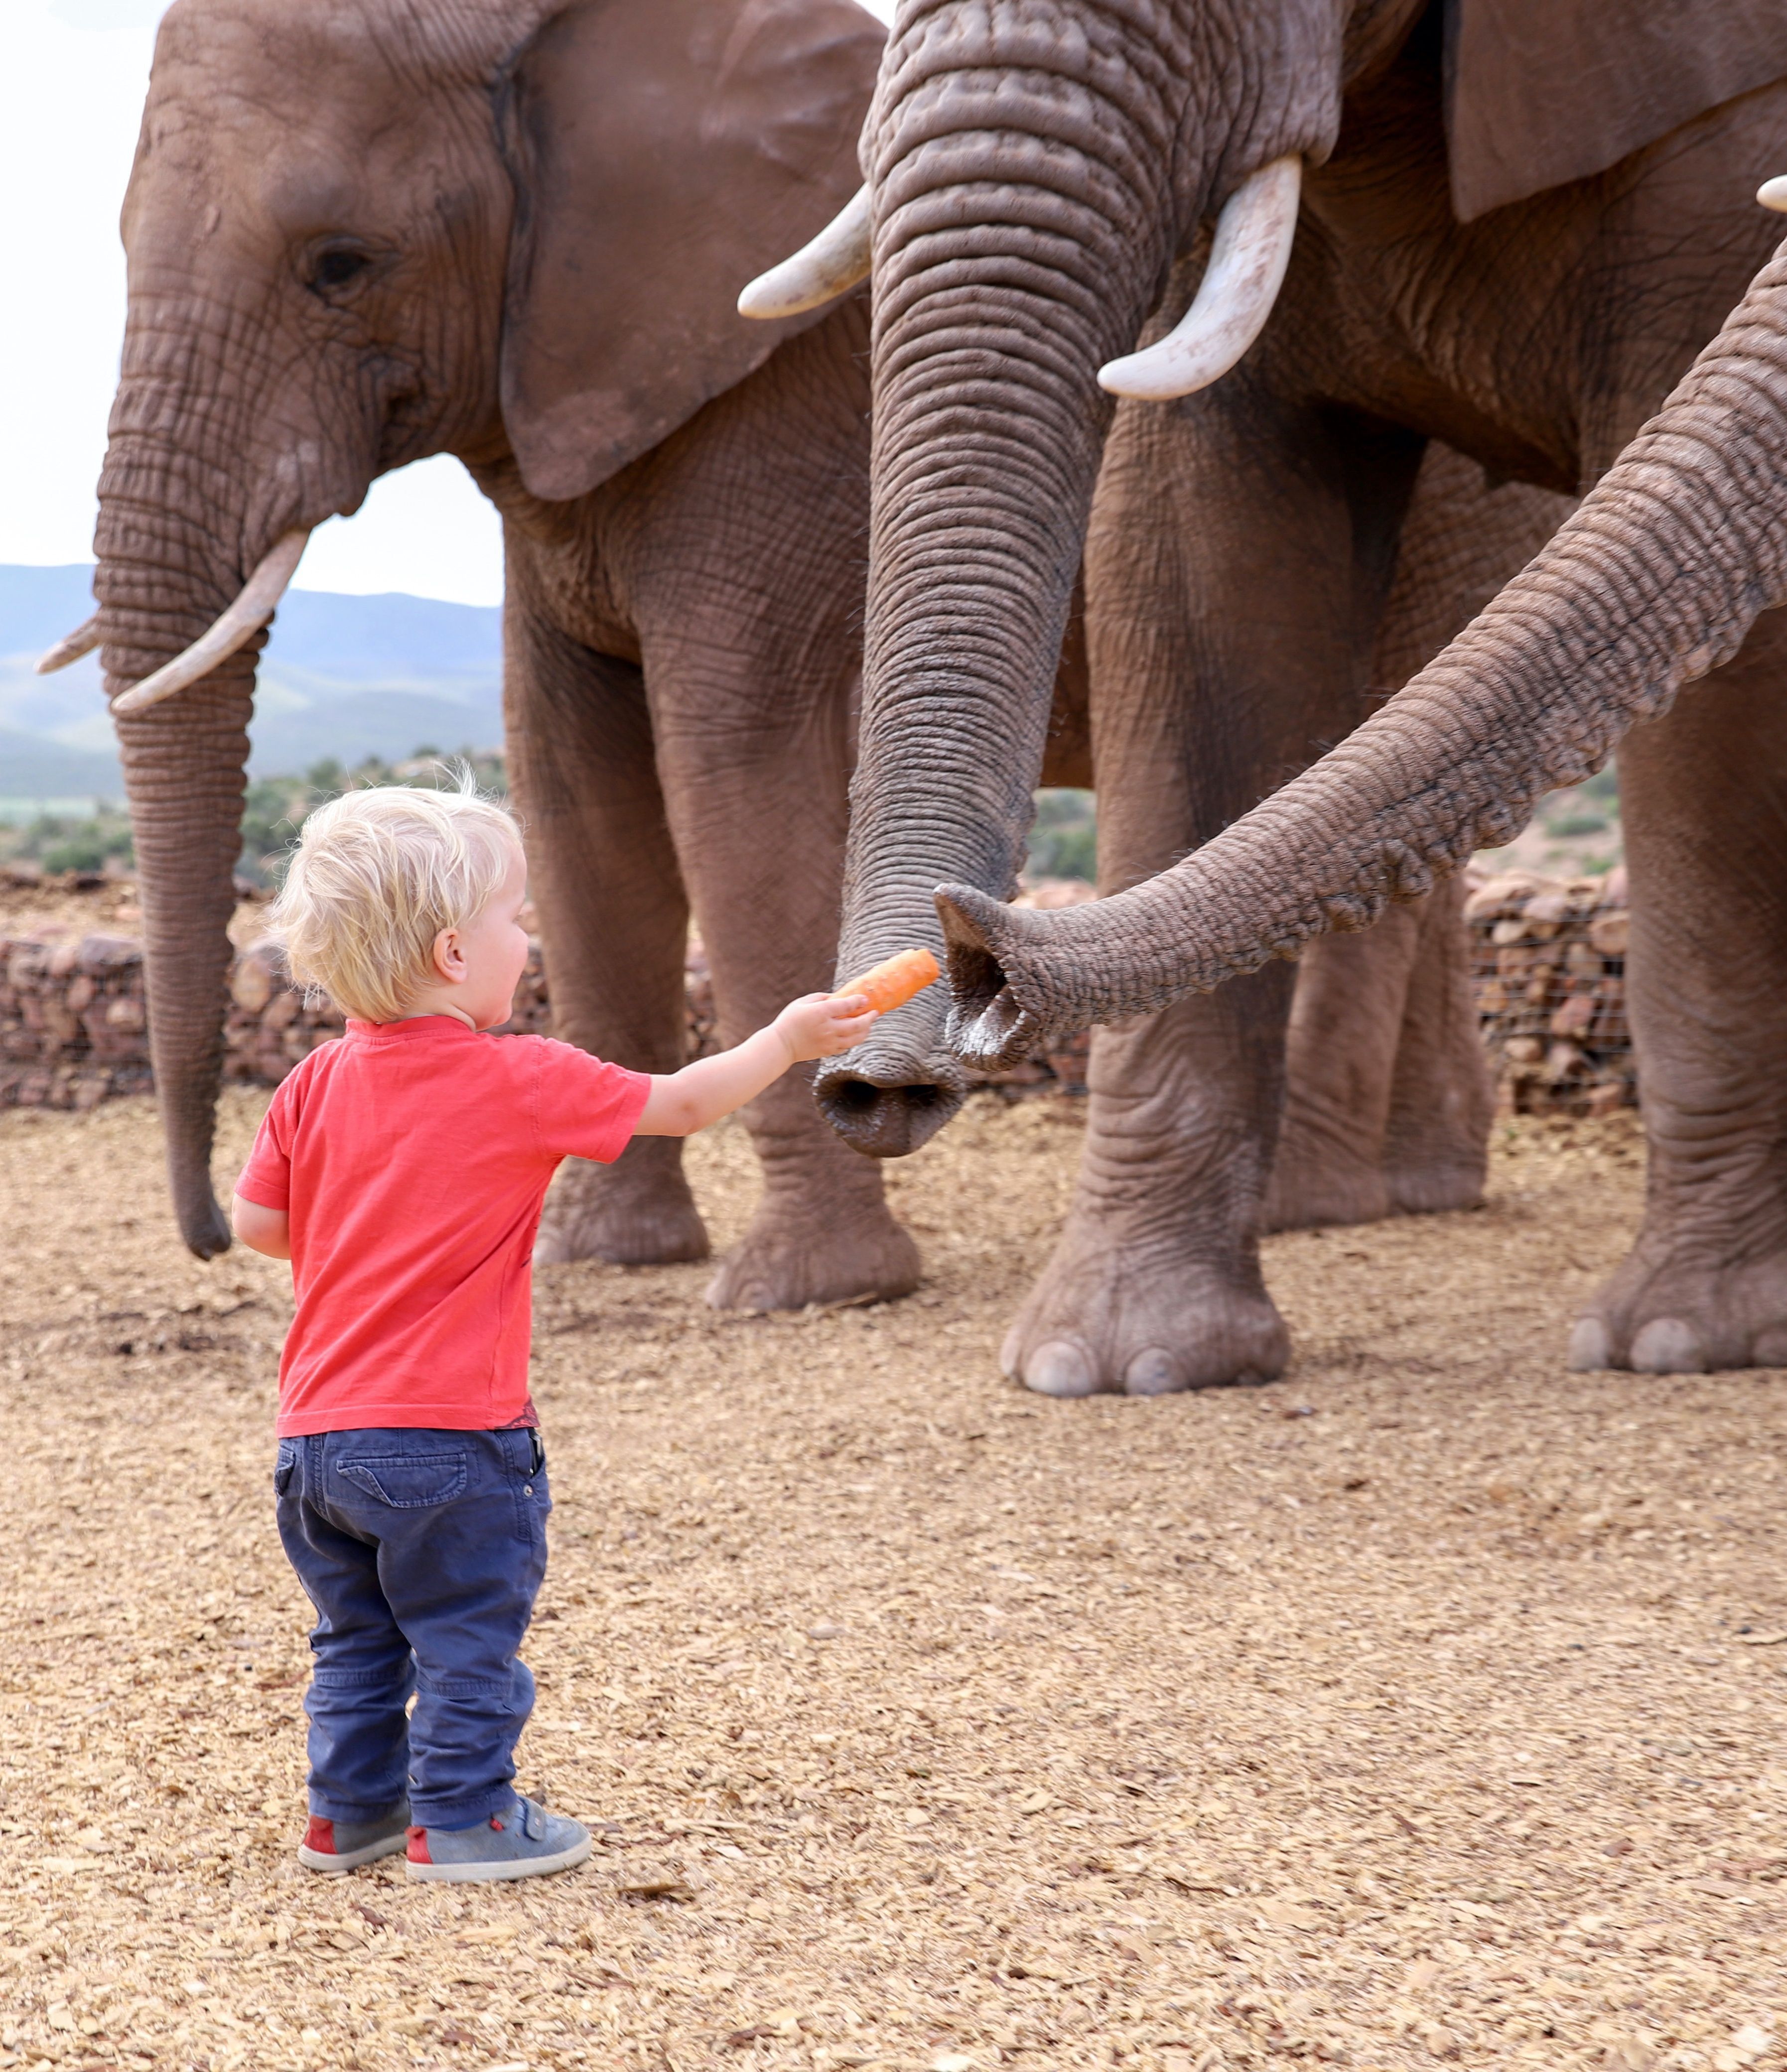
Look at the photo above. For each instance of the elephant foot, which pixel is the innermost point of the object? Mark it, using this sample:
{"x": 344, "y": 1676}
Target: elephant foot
{"x": 637, "y": 1212}
{"x": 1436, "y": 1186}
{"x": 1104, "y": 1320}
{"x": 1685, "y": 1314}
{"x": 1309, "y": 1189}
{"x": 790, "y": 1257}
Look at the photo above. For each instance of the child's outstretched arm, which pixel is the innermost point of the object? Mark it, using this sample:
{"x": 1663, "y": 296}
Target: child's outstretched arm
{"x": 818, "y": 1025}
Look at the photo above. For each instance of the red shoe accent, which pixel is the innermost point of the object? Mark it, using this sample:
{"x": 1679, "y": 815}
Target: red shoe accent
{"x": 320, "y": 1835}
{"x": 418, "y": 1846}
{"x": 496, "y": 1823}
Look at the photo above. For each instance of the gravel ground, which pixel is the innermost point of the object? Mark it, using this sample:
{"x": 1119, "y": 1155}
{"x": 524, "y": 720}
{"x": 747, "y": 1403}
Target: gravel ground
{"x": 1422, "y": 1706}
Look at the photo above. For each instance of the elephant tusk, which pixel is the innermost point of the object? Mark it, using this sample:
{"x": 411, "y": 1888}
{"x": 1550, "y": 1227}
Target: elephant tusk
{"x": 1251, "y": 250}
{"x": 835, "y": 261}
{"x": 1772, "y": 194}
{"x": 84, "y": 638}
{"x": 254, "y": 606}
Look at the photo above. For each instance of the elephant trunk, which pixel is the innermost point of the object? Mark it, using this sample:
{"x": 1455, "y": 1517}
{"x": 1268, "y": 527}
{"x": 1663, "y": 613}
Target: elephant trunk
{"x": 1007, "y": 271}
{"x": 167, "y": 567}
{"x": 1655, "y": 581}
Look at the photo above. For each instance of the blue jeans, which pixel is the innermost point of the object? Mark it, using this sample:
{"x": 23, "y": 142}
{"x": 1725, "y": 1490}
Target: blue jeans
{"x": 422, "y": 1551}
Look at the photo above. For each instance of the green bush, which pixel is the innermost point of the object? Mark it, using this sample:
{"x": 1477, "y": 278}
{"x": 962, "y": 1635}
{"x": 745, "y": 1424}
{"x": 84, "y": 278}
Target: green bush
{"x": 276, "y": 807}
{"x": 1570, "y": 825}
{"x": 273, "y": 811}
{"x": 65, "y": 841}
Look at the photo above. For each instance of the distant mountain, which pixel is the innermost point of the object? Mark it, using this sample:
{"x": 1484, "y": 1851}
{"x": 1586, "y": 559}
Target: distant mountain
{"x": 342, "y": 676}
{"x": 32, "y": 766}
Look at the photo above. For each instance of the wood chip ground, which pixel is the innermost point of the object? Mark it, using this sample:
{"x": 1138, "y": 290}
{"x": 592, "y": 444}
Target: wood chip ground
{"x": 1423, "y": 1708}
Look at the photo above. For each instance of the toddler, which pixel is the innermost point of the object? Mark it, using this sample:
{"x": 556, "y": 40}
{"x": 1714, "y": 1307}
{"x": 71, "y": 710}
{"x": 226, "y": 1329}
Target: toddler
{"x": 401, "y": 1171}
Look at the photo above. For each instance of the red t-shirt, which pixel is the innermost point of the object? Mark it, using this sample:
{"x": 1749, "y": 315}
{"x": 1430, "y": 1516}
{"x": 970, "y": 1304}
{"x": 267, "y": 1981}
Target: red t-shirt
{"x": 412, "y": 1157}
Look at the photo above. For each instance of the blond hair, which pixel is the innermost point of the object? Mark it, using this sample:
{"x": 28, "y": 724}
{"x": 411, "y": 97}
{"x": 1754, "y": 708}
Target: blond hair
{"x": 375, "y": 878}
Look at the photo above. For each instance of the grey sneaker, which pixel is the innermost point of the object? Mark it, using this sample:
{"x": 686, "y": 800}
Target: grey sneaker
{"x": 334, "y": 1847}
{"x": 527, "y": 1841}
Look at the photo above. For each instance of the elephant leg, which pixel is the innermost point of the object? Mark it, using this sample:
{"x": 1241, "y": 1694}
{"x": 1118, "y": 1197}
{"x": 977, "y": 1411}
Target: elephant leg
{"x": 759, "y": 813}
{"x": 1436, "y": 1137}
{"x": 1351, "y": 996}
{"x": 1231, "y": 607}
{"x": 1704, "y": 794}
{"x": 614, "y": 920}
{"x": 749, "y": 611}
{"x": 1388, "y": 1100}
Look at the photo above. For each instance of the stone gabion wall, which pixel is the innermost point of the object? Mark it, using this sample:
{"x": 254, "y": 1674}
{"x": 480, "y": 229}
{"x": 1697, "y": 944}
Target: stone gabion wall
{"x": 1548, "y": 963}
{"x": 74, "y": 1032}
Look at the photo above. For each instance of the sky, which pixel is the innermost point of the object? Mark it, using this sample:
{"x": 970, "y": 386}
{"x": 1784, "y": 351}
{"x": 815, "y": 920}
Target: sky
{"x": 72, "y": 76}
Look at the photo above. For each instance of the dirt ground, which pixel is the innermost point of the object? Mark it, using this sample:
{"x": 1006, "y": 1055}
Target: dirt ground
{"x": 1422, "y": 1706}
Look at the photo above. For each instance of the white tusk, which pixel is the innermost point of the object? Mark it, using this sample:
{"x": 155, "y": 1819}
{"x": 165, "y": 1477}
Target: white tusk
{"x": 836, "y": 261}
{"x": 1772, "y": 194}
{"x": 71, "y": 647}
{"x": 255, "y": 605}
{"x": 1248, "y": 258}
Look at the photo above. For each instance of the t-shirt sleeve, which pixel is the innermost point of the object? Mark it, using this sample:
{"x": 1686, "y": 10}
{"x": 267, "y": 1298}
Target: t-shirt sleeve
{"x": 266, "y": 1178}
{"x": 584, "y": 1106}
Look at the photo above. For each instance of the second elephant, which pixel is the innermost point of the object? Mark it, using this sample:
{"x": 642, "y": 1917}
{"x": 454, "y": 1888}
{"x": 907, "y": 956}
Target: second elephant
{"x": 360, "y": 235}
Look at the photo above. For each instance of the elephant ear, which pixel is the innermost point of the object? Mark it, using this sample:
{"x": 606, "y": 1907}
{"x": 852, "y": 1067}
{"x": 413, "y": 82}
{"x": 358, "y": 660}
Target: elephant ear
{"x": 664, "y": 153}
{"x": 1539, "y": 93}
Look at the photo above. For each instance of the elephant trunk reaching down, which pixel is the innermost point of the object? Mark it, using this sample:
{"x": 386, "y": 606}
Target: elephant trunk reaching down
{"x": 1029, "y": 194}
{"x": 184, "y": 518}
{"x": 1654, "y": 582}
{"x": 975, "y": 538}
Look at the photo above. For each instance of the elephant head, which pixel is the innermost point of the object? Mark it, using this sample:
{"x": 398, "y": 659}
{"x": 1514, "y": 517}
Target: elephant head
{"x": 1655, "y": 581}
{"x": 1032, "y": 172}
{"x": 359, "y": 231}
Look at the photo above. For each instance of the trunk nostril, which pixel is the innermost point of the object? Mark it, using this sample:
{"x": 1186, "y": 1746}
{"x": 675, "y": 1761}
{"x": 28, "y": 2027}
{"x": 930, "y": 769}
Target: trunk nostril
{"x": 887, "y": 1122}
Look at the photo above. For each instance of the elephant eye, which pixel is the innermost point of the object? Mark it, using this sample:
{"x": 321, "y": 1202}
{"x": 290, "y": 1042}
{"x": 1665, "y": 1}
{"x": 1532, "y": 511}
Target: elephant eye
{"x": 336, "y": 267}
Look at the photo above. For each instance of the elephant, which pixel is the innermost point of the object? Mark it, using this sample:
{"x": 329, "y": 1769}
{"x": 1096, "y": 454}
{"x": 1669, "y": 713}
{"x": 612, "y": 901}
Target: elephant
{"x": 1501, "y": 224}
{"x": 359, "y": 232}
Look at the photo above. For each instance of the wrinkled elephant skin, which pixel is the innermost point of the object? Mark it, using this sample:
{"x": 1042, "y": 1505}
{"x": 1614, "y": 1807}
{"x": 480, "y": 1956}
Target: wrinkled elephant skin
{"x": 1482, "y": 258}
{"x": 1155, "y": 1282}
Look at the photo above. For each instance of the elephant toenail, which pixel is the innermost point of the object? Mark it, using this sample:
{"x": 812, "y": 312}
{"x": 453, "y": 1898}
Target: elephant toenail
{"x": 1667, "y": 1345}
{"x": 1058, "y": 1368}
{"x": 1590, "y": 1349}
{"x": 1155, "y": 1372}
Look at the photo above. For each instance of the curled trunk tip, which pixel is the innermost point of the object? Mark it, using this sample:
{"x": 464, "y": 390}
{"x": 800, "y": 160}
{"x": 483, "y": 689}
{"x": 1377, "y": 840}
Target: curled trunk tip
{"x": 988, "y": 1027}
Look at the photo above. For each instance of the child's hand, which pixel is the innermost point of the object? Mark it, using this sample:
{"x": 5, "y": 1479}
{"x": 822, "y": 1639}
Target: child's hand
{"x": 820, "y": 1024}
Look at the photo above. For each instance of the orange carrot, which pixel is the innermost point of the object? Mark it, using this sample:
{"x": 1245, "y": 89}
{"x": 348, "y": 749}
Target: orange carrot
{"x": 893, "y": 984}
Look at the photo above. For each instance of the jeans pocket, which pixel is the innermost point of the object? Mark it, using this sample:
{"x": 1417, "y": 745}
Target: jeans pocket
{"x": 285, "y": 1466}
{"x": 408, "y": 1481}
